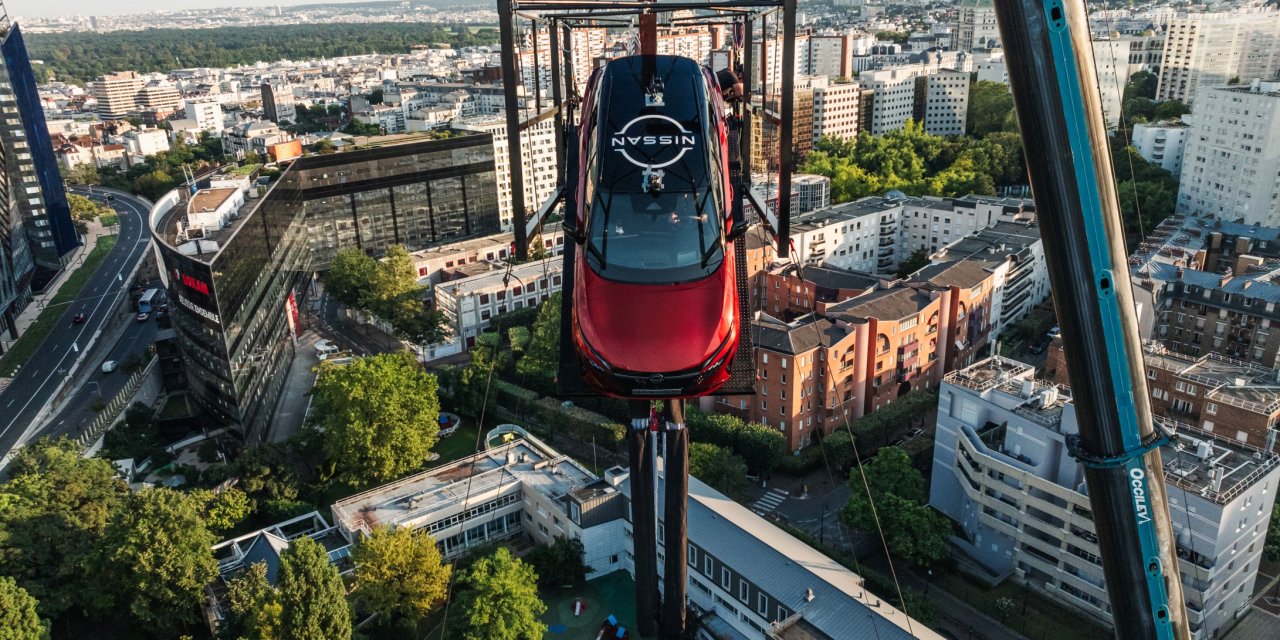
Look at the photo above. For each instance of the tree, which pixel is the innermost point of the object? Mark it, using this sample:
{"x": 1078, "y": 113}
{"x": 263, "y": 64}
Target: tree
{"x": 1142, "y": 84}
{"x": 761, "y": 448}
{"x": 154, "y": 558}
{"x": 324, "y": 146}
{"x": 18, "y": 617}
{"x": 559, "y": 563}
{"x": 914, "y": 263}
{"x": 499, "y": 601}
{"x": 399, "y": 573}
{"x": 82, "y": 174}
{"x": 378, "y": 416}
{"x": 913, "y": 530}
{"x": 540, "y": 359}
{"x": 349, "y": 276}
{"x": 255, "y": 606}
{"x": 358, "y": 128}
{"x": 56, "y": 506}
{"x": 225, "y": 510}
{"x": 313, "y": 604}
{"x": 717, "y": 467}
{"x": 990, "y": 109}
{"x": 1170, "y": 109}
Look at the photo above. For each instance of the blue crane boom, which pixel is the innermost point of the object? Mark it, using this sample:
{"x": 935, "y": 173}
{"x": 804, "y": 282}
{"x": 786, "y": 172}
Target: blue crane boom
{"x": 1055, "y": 89}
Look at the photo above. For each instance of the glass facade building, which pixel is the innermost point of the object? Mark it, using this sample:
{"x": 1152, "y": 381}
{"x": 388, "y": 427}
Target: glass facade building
{"x": 235, "y": 292}
{"x": 35, "y": 180}
{"x": 416, "y": 194}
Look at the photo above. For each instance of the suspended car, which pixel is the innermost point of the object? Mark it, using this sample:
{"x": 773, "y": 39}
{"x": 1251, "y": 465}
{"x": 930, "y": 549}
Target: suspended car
{"x": 655, "y": 295}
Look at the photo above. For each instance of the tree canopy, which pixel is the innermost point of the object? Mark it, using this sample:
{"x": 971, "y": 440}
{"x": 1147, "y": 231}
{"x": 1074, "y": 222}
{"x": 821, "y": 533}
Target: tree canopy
{"x": 379, "y": 416}
{"x": 18, "y": 617}
{"x": 399, "y": 573}
{"x": 388, "y": 289}
{"x": 312, "y": 598}
{"x": 559, "y": 563}
{"x": 718, "y": 467}
{"x": 916, "y": 163}
{"x": 913, "y": 530}
{"x": 255, "y": 606}
{"x": 759, "y": 446}
{"x": 499, "y": 601}
{"x": 155, "y": 558}
{"x": 990, "y": 109}
{"x": 56, "y": 506}
{"x": 81, "y": 56}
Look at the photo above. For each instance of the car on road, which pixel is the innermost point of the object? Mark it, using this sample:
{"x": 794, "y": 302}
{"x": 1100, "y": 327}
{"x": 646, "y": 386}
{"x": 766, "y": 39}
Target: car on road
{"x": 79, "y": 318}
{"x": 1040, "y": 345}
{"x": 109, "y": 366}
{"x": 143, "y": 317}
{"x": 1054, "y": 332}
{"x": 655, "y": 298}
{"x": 164, "y": 307}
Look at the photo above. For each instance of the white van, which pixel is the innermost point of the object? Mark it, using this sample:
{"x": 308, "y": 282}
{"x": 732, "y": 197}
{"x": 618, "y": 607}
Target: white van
{"x": 324, "y": 349}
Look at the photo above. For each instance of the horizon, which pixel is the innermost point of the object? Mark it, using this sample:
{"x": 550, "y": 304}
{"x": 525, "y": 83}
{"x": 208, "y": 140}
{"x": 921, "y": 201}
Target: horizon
{"x": 19, "y": 9}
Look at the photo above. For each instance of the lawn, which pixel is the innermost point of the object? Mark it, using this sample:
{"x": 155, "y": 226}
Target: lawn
{"x": 177, "y": 405}
{"x": 614, "y": 593}
{"x": 459, "y": 445}
{"x": 52, "y": 314}
{"x": 109, "y": 219}
{"x": 1034, "y": 615}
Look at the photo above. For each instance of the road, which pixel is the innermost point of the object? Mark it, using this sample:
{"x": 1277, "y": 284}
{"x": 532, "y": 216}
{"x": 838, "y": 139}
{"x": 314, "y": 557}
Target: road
{"x": 38, "y": 379}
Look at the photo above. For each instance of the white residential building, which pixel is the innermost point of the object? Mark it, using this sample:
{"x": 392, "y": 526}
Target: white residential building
{"x": 1162, "y": 143}
{"x": 488, "y": 290}
{"x": 1232, "y": 155}
{"x": 975, "y": 26}
{"x": 940, "y": 103}
{"x": 538, "y": 153}
{"x": 207, "y": 114}
{"x": 1003, "y": 472}
{"x": 1209, "y": 49}
{"x": 836, "y": 109}
{"x": 253, "y": 137}
{"x": 1111, "y": 61}
{"x": 946, "y": 102}
{"x": 146, "y": 142}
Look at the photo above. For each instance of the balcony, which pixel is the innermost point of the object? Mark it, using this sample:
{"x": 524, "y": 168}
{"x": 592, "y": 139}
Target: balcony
{"x": 888, "y": 229}
{"x": 885, "y": 252}
{"x": 887, "y": 242}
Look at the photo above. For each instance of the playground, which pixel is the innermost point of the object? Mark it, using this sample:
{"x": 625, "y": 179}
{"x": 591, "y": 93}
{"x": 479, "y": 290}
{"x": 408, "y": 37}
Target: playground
{"x": 578, "y": 613}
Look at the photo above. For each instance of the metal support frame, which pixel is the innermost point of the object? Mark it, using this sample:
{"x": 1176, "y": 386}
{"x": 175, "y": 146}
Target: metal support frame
{"x": 660, "y": 612}
{"x": 1054, "y": 84}
{"x": 560, "y": 17}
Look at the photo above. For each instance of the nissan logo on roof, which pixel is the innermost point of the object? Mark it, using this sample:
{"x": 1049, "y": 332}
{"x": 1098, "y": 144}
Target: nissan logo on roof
{"x": 652, "y": 141}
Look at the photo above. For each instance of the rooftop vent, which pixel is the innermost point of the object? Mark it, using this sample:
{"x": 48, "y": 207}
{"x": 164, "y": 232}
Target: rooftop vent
{"x": 808, "y": 595}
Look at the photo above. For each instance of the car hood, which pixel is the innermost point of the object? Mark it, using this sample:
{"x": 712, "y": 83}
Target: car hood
{"x": 656, "y": 327}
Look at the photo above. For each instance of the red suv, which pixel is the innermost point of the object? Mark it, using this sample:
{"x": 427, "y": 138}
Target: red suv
{"x": 655, "y": 298}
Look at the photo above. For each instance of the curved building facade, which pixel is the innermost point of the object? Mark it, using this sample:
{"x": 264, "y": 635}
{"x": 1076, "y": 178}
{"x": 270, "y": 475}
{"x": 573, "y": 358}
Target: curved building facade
{"x": 236, "y": 279}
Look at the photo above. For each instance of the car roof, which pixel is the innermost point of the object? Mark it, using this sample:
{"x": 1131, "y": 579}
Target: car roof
{"x": 634, "y": 135}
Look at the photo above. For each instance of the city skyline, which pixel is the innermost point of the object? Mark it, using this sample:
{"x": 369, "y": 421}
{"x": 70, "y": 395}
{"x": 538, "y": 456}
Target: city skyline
{"x": 19, "y": 9}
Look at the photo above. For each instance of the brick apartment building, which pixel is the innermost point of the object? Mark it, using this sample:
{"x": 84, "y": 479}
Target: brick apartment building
{"x": 1229, "y": 398}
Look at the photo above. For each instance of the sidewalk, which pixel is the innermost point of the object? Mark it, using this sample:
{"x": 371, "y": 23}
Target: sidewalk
{"x": 38, "y": 302}
{"x": 291, "y": 408}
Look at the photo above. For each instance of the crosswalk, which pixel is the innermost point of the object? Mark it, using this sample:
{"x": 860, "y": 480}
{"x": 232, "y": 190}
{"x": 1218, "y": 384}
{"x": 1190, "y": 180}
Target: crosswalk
{"x": 769, "y": 501}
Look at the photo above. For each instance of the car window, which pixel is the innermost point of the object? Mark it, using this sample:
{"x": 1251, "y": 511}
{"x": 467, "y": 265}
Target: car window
{"x": 670, "y": 236}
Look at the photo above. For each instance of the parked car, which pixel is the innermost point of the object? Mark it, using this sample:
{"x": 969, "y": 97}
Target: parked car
{"x": 109, "y": 366}
{"x": 1054, "y": 332}
{"x": 1040, "y": 345}
{"x": 143, "y": 317}
{"x": 79, "y": 318}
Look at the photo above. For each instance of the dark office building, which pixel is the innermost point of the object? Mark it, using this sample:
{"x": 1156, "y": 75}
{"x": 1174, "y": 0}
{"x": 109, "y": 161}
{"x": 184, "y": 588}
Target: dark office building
{"x": 34, "y": 178}
{"x": 233, "y": 302}
{"x": 235, "y": 293}
{"x": 269, "y": 110}
{"x": 415, "y": 194}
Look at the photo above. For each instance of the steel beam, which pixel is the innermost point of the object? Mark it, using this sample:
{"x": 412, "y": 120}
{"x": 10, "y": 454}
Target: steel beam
{"x": 786, "y": 148}
{"x": 511, "y": 82}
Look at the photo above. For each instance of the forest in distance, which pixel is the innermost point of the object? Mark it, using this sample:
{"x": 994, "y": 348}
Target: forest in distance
{"x": 79, "y": 57}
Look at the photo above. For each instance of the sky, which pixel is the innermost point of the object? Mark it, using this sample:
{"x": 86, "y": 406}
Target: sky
{"x": 45, "y": 8}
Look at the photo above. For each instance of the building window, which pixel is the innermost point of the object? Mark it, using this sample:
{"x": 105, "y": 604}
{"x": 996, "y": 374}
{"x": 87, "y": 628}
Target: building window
{"x": 693, "y": 556}
{"x": 743, "y": 591}
{"x": 1210, "y": 408}
{"x": 762, "y": 604}
{"x": 706, "y": 565}
{"x": 726, "y": 580}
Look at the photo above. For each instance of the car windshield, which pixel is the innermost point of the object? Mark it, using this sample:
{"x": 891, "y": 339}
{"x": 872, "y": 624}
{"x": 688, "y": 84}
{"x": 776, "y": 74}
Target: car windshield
{"x": 664, "y": 237}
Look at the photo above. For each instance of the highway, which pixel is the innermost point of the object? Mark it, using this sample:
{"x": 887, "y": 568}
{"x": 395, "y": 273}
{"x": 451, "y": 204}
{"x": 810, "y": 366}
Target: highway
{"x": 39, "y": 378}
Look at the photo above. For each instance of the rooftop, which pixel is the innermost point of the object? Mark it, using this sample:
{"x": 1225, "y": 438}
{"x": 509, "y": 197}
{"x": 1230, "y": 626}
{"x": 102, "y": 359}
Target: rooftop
{"x": 172, "y": 228}
{"x": 799, "y": 336}
{"x": 786, "y": 568}
{"x": 417, "y": 497}
{"x": 1230, "y": 381}
{"x": 1013, "y": 385}
{"x": 894, "y": 303}
{"x": 209, "y": 199}
{"x": 501, "y": 277}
